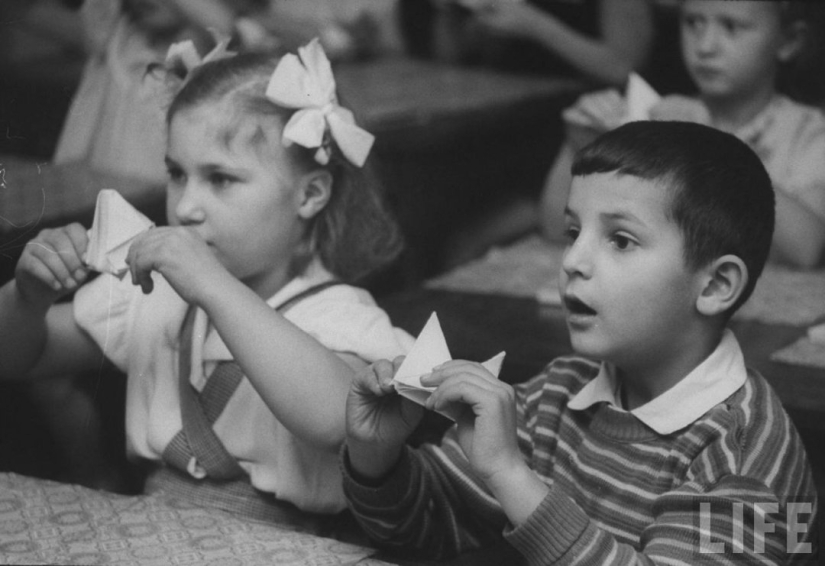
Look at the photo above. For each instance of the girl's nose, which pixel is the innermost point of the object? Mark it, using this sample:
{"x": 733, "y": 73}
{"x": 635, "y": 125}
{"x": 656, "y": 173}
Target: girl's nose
{"x": 577, "y": 259}
{"x": 187, "y": 205}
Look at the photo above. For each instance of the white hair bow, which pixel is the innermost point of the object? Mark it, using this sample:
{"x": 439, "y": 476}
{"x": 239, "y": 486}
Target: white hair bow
{"x": 305, "y": 83}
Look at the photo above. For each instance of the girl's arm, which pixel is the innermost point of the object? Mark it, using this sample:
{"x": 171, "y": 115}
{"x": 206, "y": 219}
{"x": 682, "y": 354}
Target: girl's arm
{"x": 40, "y": 338}
{"x": 626, "y": 31}
{"x": 302, "y": 382}
{"x": 799, "y": 234}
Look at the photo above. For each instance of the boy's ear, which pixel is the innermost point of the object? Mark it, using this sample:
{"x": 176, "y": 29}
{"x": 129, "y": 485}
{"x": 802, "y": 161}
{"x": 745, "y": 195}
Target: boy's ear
{"x": 316, "y": 190}
{"x": 725, "y": 279}
{"x": 795, "y": 37}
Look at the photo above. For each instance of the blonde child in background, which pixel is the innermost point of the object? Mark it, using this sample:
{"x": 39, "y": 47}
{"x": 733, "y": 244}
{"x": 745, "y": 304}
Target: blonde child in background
{"x": 267, "y": 214}
{"x": 734, "y": 52}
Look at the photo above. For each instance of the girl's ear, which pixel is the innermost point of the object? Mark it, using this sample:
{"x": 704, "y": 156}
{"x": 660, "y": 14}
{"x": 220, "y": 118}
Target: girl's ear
{"x": 725, "y": 280}
{"x": 795, "y": 35}
{"x": 316, "y": 190}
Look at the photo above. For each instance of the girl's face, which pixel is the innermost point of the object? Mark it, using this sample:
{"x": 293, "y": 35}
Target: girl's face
{"x": 628, "y": 293}
{"x": 233, "y": 183}
{"x": 732, "y": 49}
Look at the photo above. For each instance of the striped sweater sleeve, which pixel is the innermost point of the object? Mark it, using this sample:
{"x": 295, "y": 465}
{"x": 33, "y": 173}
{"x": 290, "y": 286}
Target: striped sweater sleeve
{"x": 721, "y": 491}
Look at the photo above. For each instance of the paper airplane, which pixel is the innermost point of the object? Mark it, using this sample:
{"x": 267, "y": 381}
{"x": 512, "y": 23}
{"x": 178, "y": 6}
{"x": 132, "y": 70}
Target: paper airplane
{"x": 640, "y": 98}
{"x": 430, "y": 349}
{"x": 115, "y": 225}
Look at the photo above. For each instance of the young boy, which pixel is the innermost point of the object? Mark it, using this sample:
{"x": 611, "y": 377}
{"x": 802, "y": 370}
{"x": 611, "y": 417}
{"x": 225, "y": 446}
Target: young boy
{"x": 667, "y": 449}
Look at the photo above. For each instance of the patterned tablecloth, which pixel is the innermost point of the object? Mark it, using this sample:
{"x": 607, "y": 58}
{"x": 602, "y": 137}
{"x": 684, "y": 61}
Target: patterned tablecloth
{"x": 44, "y": 522}
{"x": 530, "y": 268}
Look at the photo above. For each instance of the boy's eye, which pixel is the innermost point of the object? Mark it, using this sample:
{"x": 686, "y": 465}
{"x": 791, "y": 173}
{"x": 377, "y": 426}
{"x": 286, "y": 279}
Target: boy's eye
{"x": 220, "y": 180}
{"x": 176, "y": 176}
{"x": 571, "y": 233}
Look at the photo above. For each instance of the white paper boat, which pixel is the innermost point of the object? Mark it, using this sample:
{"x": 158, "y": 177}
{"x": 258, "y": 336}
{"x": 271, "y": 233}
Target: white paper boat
{"x": 115, "y": 225}
{"x": 430, "y": 349}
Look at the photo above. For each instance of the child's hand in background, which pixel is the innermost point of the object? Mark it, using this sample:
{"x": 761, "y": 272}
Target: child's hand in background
{"x": 487, "y": 426}
{"x": 181, "y": 256}
{"x": 592, "y": 115}
{"x": 508, "y": 17}
{"x": 52, "y": 265}
{"x": 379, "y": 421}
{"x": 681, "y": 108}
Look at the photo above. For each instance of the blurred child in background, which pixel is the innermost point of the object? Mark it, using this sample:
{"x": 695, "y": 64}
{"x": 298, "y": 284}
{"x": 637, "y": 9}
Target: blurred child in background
{"x": 737, "y": 54}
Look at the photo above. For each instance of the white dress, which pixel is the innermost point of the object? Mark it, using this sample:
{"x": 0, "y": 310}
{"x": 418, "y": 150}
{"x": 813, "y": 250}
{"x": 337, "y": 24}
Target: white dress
{"x": 139, "y": 333}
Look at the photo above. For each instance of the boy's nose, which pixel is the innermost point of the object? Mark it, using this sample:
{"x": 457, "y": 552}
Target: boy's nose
{"x": 577, "y": 259}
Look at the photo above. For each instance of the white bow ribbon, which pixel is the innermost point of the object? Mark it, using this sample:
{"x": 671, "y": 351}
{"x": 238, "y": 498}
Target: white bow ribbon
{"x": 305, "y": 83}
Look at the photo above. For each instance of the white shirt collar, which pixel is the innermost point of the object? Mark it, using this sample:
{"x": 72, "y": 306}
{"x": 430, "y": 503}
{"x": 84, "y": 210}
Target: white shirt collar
{"x": 707, "y": 385}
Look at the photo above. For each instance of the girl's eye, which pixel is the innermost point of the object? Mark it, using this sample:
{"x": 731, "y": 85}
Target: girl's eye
{"x": 622, "y": 242}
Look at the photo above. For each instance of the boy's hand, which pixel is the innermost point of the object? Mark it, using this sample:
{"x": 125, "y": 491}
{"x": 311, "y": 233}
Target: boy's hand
{"x": 592, "y": 115}
{"x": 51, "y": 265}
{"x": 181, "y": 256}
{"x": 487, "y": 426}
{"x": 379, "y": 421}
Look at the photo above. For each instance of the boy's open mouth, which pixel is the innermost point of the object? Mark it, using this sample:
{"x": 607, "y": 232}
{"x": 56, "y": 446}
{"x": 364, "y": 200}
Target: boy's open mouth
{"x": 576, "y": 306}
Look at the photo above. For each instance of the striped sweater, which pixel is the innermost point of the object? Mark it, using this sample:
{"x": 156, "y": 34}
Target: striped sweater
{"x": 620, "y": 493}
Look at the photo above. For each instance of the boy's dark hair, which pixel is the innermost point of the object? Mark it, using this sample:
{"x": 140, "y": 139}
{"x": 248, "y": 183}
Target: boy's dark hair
{"x": 722, "y": 197}
{"x": 354, "y": 234}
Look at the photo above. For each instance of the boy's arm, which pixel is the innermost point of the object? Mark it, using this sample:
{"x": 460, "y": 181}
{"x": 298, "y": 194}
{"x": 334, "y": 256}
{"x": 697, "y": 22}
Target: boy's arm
{"x": 431, "y": 502}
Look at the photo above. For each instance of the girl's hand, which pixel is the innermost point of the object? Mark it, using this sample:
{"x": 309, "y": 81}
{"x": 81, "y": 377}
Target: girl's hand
{"x": 51, "y": 265}
{"x": 592, "y": 115}
{"x": 487, "y": 426}
{"x": 379, "y": 421}
{"x": 181, "y": 256}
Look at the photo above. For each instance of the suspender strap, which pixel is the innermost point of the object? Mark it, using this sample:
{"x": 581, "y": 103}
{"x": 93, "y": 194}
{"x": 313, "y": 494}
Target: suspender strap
{"x": 199, "y": 412}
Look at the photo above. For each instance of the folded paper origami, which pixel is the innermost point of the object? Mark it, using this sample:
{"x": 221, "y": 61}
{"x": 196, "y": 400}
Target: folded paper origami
{"x": 640, "y": 98}
{"x": 115, "y": 225}
{"x": 430, "y": 349}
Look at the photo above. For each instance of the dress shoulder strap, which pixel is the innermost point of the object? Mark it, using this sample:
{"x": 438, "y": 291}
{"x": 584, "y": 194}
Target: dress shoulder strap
{"x": 306, "y": 293}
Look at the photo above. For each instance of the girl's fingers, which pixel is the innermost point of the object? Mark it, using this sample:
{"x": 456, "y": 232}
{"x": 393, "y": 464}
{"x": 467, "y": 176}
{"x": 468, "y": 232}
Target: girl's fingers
{"x": 41, "y": 272}
{"x": 49, "y": 252}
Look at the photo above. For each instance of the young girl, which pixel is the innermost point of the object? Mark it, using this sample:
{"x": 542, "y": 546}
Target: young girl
{"x": 267, "y": 211}
{"x": 735, "y": 52}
